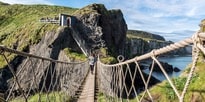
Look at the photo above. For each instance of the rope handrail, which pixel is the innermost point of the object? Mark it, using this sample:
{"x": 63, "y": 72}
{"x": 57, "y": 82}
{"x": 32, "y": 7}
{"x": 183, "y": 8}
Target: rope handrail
{"x": 160, "y": 51}
{"x": 3, "y": 48}
{"x": 40, "y": 76}
{"x": 125, "y": 80}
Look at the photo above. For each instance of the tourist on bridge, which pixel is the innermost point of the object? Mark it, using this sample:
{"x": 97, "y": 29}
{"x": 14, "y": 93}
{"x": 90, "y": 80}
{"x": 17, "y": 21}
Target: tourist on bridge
{"x": 92, "y": 61}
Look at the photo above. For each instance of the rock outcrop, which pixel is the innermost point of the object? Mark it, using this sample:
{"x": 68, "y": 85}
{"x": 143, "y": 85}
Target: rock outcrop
{"x": 98, "y": 27}
{"x": 139, "y": 46}
{"x": 49, "y": 74}
{"x": 167, "y": 67}
{"x": 95, "y": 23}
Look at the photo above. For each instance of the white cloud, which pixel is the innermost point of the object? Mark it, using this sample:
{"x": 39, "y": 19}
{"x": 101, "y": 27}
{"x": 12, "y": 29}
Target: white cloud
{"x": 151, "y": 15}
{"x": 27, "y": 2}
{"x": 161, "y": 15}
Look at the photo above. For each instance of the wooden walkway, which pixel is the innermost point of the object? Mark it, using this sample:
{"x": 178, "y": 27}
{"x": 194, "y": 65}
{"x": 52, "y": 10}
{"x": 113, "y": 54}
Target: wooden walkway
{"x": 88, "y": 92}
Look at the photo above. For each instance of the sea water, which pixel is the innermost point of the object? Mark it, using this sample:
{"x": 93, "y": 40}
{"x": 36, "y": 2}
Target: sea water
{"x": 180, "y": 62}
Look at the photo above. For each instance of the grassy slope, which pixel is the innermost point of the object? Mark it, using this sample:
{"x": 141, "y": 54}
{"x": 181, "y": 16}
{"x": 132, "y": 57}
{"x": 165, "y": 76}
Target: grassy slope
{"x": 143, "y": 35}
{"x": 163, "y": 92}
{"x": 196, "y": 91}
{"x": 74, "y": 56}
{"x": 20, "y": 24}
{"x": 44, "y": 97}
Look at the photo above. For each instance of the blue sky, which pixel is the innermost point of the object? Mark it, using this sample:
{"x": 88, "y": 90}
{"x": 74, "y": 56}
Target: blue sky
{"x": 173, "y": 19}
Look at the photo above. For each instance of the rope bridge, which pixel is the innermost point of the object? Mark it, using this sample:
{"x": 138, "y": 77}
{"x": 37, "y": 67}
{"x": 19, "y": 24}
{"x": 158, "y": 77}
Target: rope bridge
{"x": 38, "y": 79}
{"x": 35, "y": 78}
{"x": 117, "y": 82}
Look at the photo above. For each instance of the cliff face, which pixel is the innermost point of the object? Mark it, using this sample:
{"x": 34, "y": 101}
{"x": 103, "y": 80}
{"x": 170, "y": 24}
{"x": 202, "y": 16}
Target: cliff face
{"x": 94, "y": 23}
{"x": 20, "y": 26}
{"x": 97, "y": 24}
{"x": 138, "y": 44}
{"x": 144, "y": 34}
{"x": 20, "y": 29}
{"x": 50, "y": 46}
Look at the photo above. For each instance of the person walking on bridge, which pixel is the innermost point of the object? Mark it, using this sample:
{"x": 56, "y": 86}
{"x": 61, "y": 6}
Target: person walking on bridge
{"x": 91, "y": 59}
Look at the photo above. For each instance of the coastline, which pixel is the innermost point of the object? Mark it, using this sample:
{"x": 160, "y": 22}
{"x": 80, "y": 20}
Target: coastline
{"x": 174, "y": 61}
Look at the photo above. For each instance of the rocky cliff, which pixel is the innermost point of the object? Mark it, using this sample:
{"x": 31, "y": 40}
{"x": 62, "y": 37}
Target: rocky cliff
{"x": 98, "y": 25}
{"x": 20, "y": 29}
{"x": 197, "y": 82}
{"x": 52, "y": 45}
{"x": 94, "y": 23}
{"x": 144, "y": 35}
{"x": 140, "y": 42}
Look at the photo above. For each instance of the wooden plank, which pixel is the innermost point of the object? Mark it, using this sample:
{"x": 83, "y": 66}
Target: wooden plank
{"x": 88, "y": 92}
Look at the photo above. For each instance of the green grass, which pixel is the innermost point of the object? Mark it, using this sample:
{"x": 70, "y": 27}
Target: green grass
{"x": 43, "y": 97}
{"x": 133, "y": 36}
{"x": 105, "y": 58}
{"x": 202, "y": 27}
{"x": 101, "y": 97}
{"x": 108, "y": 60}
{"x": 19, "y": 24}
{"x": 104, "y": 98}
{"x": 144, "y": 35}
{"x": 92, "y": 8}
{"x": 75, "y": 56}
{"x": 163, "y": 92}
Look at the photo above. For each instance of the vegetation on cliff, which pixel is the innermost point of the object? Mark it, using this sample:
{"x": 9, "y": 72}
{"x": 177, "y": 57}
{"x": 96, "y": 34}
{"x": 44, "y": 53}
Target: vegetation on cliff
{"x": 54, "y": 96}
{"x": 105, "y": 58}
{"x": 202, "y": 25}
{"x": 163, "y": 92}
{"x": 20, "y": 26}
{"x": 87, "y": 10}
{"x": 144, "y": 35}
{"x": 74, "y": 56}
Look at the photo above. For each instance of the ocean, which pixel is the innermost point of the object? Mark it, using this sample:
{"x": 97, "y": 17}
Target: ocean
{"x": 180, "y": 62}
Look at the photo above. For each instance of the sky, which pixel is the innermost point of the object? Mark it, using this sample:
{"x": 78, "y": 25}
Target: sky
{"x": 173, "y": 19}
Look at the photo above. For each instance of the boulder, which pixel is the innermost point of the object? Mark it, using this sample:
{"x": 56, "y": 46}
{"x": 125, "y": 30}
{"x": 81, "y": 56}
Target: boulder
{"x": 176, "y": 69}
{"x": 167, "y": 67}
